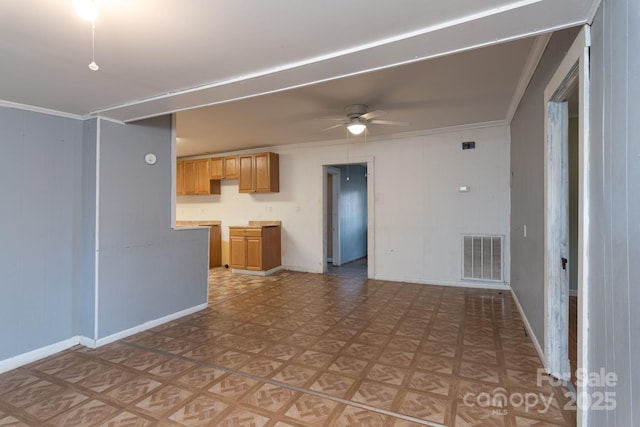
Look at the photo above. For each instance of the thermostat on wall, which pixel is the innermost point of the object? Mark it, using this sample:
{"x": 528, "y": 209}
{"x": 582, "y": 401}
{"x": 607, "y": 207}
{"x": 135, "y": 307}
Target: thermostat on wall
{"x": 150, "y": 158}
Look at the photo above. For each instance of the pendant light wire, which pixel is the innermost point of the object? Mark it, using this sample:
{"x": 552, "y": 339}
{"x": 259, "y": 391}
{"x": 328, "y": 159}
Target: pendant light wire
{"x": 93, "y": 66}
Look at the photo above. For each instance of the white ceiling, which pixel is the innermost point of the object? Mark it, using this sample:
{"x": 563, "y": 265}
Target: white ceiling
{"x": 431, "y": 63}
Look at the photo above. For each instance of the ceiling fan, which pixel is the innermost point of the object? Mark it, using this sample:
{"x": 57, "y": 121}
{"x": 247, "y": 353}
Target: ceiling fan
{"x": 358, "y": 118}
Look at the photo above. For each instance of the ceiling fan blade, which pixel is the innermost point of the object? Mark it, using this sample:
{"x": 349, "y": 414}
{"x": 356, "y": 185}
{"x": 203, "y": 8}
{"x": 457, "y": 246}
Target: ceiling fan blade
{"x": 331, "y": 118}
{"x": 388, "y": 122}
{"x": 373, "y": 114}
{"x": 334, "y": 126}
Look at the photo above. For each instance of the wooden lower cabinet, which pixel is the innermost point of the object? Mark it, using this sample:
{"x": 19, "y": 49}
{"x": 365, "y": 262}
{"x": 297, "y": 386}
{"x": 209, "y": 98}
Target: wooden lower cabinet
{"x": 215, "y": 246}
{"x": 255, "y": 248}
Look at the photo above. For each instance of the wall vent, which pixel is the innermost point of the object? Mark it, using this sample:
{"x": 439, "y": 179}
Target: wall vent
{"x": 482, "y": 257}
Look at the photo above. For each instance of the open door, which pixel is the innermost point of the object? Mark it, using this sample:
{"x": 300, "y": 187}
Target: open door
{"x": 570, "y": 79}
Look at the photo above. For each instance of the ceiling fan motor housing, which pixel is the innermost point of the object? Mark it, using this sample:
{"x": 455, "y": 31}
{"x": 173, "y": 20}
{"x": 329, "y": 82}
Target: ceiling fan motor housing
{"x": 355, "y": 110}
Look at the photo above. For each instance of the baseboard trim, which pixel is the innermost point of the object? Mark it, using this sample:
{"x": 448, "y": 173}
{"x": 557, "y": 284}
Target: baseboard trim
{"x": 476, "y": 285}
{"x": 93, "y": 343}
{"x": 49, "y": 350}
{"x": 527, "y": 326}
{"x": 256, "y": 273}
{"x": 37, "y": 354}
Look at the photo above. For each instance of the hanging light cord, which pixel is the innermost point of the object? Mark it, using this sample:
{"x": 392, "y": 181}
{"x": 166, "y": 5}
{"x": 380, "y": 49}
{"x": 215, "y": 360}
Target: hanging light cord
{"x": 93, "y": 66}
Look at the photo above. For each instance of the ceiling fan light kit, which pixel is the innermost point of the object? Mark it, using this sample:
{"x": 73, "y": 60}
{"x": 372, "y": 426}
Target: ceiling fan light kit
{"x": 356, "y": 127}
{"x": 358, "y": 118}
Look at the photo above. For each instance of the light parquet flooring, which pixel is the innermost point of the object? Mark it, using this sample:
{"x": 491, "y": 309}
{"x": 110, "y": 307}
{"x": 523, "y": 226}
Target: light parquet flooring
{"x": 295, "y": 350}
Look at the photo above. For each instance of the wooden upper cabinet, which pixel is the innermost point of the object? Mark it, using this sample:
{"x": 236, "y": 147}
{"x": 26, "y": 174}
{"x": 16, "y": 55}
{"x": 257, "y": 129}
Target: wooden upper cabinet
{"x": 202, "y": 176}
{"x": 195, "y": 178}
{"x": 180, "y": 178}
{"x": 245, "y": 174}
{"x": 216, "y": 168}
{"x": 267, "y": 173}
{"x": 256, "y": 173}
{"x": 231, "y": 167}
{"x": 189, "y": 183}
{"x": 259, "y": 173}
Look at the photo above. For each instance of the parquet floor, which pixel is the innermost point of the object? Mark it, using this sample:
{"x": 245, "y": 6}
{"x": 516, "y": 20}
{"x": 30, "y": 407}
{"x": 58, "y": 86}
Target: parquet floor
{"x": 298, "y": 349}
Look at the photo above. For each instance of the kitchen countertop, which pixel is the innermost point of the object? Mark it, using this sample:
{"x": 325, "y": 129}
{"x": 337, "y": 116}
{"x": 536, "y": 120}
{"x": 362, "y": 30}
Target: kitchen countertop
{"x": 259, "y": 224}
{"x": 197, "y": 224}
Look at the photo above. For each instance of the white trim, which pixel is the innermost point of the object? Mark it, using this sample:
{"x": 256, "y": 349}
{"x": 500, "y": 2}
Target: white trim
{"x": 25, "y": 107}
{"x": 584, "y": 201}
{"x": 371, "y": 218}
{"x": 327, "y": 57}
{"x": 108, "y": 119}
{"x": 574, "y": 67}
{"x": 174, "y": 172}
{"x": 37, "y": 354}
{"x": 535, "y": 55}
{"x": 130, "y": 111}
{"x": 49, "y": 350}
{"x": 96, "y": 296}
{"x": 529, "y": 329}
{"x": 334, "y": 173}
{"x": 92, "y": 343}
{"x": 257, "y": 272}
{"x": 475, "y": 285}
{"x": 592, "y": 14}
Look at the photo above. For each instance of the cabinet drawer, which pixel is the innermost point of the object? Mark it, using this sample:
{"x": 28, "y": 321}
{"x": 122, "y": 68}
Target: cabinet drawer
{"x": 248, "y": 232}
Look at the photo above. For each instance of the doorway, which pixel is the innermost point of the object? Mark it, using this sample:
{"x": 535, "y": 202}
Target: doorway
{"x": 346, "y": 216}
{"x": 566, "y": 250}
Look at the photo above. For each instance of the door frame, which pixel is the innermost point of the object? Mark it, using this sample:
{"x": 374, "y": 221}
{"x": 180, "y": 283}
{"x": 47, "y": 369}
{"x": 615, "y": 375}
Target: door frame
{"x": 334, "y": 173}
{"x": 371, "y": 245}
{"x": 572, "y": 73}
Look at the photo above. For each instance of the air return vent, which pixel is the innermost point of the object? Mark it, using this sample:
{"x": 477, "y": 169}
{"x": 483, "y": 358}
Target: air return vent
{"x": 482, "y": 257}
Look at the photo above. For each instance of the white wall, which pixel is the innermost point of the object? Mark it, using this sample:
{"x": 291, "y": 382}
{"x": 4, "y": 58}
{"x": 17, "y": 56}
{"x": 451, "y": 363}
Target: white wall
{"x": 418, "y": 214}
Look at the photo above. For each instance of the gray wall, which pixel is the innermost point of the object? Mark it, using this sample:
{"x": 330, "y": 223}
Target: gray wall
{"x": 614, "y": 271}
{"x": 527, "y": 186}
{"x": 146, "y": 270}
{"x": 49, "y": 227}
{"x": 40, "y": 229}
{"x": 353, "y": 212}
{"x": 86, "y": 292}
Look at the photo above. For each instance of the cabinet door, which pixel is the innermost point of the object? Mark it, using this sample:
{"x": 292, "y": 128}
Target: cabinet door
{"x": 254, "y": 253}
{"x": 202, "y": 177}
{"x": 216, "y": 168}
{"x": 180, "y": 178}
{"x": 266, "y": 173}
{"x": 189, "y": 177}
{"x": 215, "y": 247}
{"x": 245, "y": 176}
{"x": 237, "y": 252}
{"x": 231, "y": 167}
